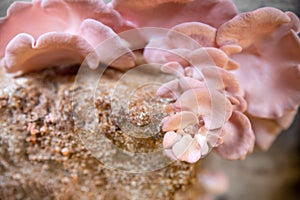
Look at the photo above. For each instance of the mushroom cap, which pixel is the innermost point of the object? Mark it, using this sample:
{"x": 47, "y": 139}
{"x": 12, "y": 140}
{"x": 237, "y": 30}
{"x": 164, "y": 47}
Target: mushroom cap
{"x": 173, "y": 68}
{"x": 179, "y": 121}
{"x": 173, "y": 89}
{"x": 269, "y": 62}
{"x": 211, "y": 56}
{"x": 179, "y": 42}
{"x": 245, "y": 28}
{"x": 201, "y": 33}
{"x": 25, "y": 54}
{"x": 191, "y": 44}
{"x": 43, "y": 16}
{"x": 238, "y": 139}
{"x": 214, "y": 108}
{"x": 168, "y": 13}
{"x": 57, "y": 33}
{"x": 187, "y": 149}
{"x": 170, "y": 138}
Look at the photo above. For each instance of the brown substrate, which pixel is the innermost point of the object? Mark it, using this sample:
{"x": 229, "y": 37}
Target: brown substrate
{"x": 42, "y": 155}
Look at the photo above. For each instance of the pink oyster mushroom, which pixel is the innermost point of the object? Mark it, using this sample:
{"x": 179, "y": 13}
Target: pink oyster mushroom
{"x": 46, "y": 33}
{"x": 204, "y": 117}
{"x": 168, "y": 13}
{"x": 191, "y": 43}
{"x": 269, "y": 68}
{"x": 268, "y": 57}
{"x": 195, "y": 66}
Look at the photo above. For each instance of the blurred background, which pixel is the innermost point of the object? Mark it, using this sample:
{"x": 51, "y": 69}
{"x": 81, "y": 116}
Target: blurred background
{"x": 271, "y": 175}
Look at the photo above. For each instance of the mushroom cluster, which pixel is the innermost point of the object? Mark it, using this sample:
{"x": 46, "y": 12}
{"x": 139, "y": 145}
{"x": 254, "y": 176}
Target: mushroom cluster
{"x": 207, "y": 111}
{"x": 237, "y": 75}
{"x": 47, "y": 33}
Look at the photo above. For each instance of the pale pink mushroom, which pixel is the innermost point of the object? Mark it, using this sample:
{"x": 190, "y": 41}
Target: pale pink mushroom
{"x": 191, "y": 43}
{"x": 189, "y": 51}
{"x": 212, "y": 106}
{"x": 221, "y": 80}
{"x": 170, "y": 138}
{"x": 168, "y": 13}
{"x": 175, "y": 88}
{"x": 224, "y": 81}
{"x": 212, "y": 56}
{"x": 269, "y": 67}
{"x": 48, "y": 33}
{"x": 173, "y": 68}
{"x": 179, "y": 145}
{"x": 270, "y": 61}
{"x": 187, "y": 149}
{"x": 179, "y": 140}
{"x": 207, "y": 116}
{"x": 238, "y": 139}
{"x": 211, "y": 93}
{"x": 162, "y": 51}
{"x": 191, "y": 35}
{"x": 179, "y": 121}
{"x": 198, "y": 125}
{"x": 193, "y": 114}
{"x": 179, "y": 42}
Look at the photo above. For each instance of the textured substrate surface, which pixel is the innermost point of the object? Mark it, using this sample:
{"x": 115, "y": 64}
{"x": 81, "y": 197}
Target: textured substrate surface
{"x": 42, "y": 151}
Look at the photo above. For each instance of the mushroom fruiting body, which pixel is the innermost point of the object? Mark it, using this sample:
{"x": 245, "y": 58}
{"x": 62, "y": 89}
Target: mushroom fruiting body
{"x": 252, "y": 62}
{"x": 269, "y": 64}
{"x": 206, "y": 114}
{"x": 225, "y": 62}
{"x": 48, "y": 33}
{"x": 169, "y": 13}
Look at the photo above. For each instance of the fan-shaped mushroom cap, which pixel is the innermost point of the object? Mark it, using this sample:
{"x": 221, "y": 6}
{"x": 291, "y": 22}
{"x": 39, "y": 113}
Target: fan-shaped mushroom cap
{"x": 270, "y": 60}
{"x": 168, "y": 13}
{"x": 238, "y": 139}
{"x": 48, "y": 33}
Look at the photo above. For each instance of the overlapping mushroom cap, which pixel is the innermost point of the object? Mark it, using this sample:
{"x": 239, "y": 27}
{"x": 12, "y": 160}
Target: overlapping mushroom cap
{"x": 261, "y": 48}
{"x": 47, "y": 33}
{"x": 207, "y": 113}
{"x": 190, "y": 43}
{"x": 269, "y": 67}
{"x": 206, "y": 89}
{"x": 168, "y": 13}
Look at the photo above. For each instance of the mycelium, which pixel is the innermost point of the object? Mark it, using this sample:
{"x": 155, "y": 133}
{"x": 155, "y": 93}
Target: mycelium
{"x": 224, "y": 70}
